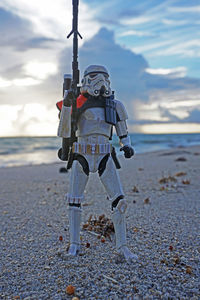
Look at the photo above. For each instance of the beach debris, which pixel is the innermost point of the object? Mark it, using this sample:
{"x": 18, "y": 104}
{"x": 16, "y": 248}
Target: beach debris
{"x": 188, "y": 270}
{"x": 140, "y": 169}
{"x": 167, "y": 179}
{"x": 171, "y": 248}
{"x": 146, "y": 201}
{"x": 135, "y": 189}
{"x": 100, "y": 226}
{"x": 135, "y": 289}
{"x": 88, "y": 204}
{"x": 181, "y": 159}
{"x": 109, "y": 278}
{"x": 134, "y": 201}
{"x": 164, "y": 261}
{"x": 87, "y": 245}
{"x": 75, "y": 298}
{"x": 179, "y": 174}
{"x": 70, "y": 289}
{"x": 176, "y": 260}
{"x": 60, "y": 238}
{"x": 163, "y": 188}
{"x": 103, "y": 239}
{"x": 94, "y": 233}
{"x": 186, "y": 181}
{"x": 135, "y": 229}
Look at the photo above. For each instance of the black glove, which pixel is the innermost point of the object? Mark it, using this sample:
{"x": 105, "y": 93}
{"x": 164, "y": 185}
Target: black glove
{"x": 68, "y": 97}
{"x": 128, "y": 151}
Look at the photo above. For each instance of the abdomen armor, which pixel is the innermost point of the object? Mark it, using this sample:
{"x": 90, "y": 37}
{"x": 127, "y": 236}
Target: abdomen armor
{"x": 92, "y": 121}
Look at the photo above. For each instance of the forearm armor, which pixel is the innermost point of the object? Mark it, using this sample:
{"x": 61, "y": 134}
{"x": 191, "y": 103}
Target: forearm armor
{"x": 121, "y": 126}
{"x": 64, "y": 128}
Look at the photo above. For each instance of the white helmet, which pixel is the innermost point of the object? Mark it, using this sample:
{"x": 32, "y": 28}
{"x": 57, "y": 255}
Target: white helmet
{"x": 95, "y": 81}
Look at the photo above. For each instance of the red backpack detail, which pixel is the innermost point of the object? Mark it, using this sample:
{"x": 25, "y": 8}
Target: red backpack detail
{"x": 79, "y": 102}
{"x": 59, "y": 105}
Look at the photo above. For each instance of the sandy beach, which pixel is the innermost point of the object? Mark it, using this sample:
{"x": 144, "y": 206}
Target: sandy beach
{"x": 163, "y": 222}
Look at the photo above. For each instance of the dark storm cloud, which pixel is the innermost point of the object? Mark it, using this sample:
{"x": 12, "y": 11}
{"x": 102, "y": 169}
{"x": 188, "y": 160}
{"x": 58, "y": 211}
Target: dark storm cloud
{"x": 194, "y": 116}
{"x": 164, "y": 82}
{"x": 35, "y": 42}
{"x": 14, "y": 72}
{"x": 165, "y": 113}
{"x": 13, "y": 29}
{"x": 18, "y": 33}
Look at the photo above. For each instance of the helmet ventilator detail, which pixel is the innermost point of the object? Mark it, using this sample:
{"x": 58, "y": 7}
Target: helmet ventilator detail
{"x": 95, "y": 81}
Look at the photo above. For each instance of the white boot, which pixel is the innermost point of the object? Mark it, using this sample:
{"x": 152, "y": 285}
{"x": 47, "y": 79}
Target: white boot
{"x": 118, "y": 218}
{"x": 74, "y": 229}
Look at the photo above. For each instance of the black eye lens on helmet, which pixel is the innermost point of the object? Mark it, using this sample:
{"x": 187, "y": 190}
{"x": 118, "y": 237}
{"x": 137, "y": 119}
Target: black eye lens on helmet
{"x": 93, "y": 75}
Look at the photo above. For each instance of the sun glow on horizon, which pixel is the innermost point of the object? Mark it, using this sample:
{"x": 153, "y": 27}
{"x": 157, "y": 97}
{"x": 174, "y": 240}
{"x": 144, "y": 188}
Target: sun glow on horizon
{"x": 169, "y": 128}
{"x": 32, "y": 119}
{"x": 35, "y": 119}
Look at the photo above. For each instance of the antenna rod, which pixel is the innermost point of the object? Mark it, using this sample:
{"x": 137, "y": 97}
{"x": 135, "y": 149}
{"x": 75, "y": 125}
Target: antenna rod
{"x": 74, "y": 31}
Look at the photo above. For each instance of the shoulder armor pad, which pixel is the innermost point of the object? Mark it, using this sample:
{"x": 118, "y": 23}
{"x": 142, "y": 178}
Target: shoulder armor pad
{"x": 121, "y": 111}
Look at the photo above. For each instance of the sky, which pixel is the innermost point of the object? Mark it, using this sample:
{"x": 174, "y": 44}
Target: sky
{"x": 150, "y": 47}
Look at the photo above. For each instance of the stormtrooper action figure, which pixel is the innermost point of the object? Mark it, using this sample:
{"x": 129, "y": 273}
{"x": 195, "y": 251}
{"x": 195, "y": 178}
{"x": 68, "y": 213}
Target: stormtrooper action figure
{"x": 97, "y": 113}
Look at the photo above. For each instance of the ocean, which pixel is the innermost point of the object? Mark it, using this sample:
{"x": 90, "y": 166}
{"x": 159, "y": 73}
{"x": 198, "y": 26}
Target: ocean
{"x": 17, "y": 151}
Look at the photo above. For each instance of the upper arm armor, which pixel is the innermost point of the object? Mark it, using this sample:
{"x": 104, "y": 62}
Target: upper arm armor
{"x": 121, "y": 111}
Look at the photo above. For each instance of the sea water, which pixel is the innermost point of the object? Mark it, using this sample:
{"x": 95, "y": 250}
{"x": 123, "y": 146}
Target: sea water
{"x": 16, "y": 151}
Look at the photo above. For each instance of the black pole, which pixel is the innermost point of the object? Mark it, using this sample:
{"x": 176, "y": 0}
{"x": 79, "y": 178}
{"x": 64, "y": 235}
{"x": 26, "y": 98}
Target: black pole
{"x": 67, "y": 143}
{"x": 74, "y": 31}
{"x": 75, "y": 78}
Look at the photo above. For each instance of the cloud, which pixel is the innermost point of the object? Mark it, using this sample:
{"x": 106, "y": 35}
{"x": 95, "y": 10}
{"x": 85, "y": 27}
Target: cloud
{"x": 173, "y": 72}
{"x": 51, "y": 19}
{"x": 175, "y": 23}
{"x": 136, "y": 33}
{"x": 137, "y": 20}
{"x": 184, "y": 9}
{"x": 152, "y": 46}
{"x": 40, "y": 70}
{"x": 35, "y": 118}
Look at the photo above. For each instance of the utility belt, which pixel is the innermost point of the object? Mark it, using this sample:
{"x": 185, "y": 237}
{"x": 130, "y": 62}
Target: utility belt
{"x": 91, "y": 148}
{"x": 78, "y": 149}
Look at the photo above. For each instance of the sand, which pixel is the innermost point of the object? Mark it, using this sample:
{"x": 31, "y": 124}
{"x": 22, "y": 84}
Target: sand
{"x": 163, "y": 222}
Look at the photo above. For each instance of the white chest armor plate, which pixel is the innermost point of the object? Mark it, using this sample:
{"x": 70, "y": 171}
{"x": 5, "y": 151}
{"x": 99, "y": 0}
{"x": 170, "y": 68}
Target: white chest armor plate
{"x": 92, "y": 121}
